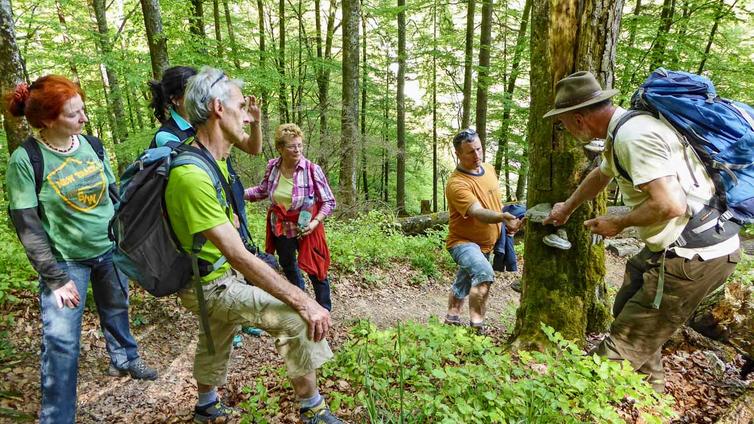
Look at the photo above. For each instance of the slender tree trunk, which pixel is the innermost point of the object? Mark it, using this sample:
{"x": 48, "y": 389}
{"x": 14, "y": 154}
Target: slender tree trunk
{"x": 231, "y": 36}
{"x": 16, "y": 130}
{"x": 468, "y": 64}
{"x": 721, "y": 12}
{"x": 263, "y": 91}
{"x": 483, "y": 81}
{"x": 218, "y": 28}
{"x": 158, "y": 43}
{"x": 663, "y": 33}
{"x": 400, "y": 112}
{"x": 434, "y": 106}
{"x": 116, "y": 99}
{"x": 350, "y": 116}
{"x": 566, "y": 288}
{"x": 196, "y": 19}
{"x": 363, "y": 110}
{"x": 385, "y": 138}
{"x": 282, "y": 101}
{"x": 510, "y": 88}
{"x": 521, "y": 183}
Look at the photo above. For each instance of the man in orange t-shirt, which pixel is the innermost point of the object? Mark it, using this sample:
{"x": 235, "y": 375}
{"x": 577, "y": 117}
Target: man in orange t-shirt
{"x": 474, "y": 227}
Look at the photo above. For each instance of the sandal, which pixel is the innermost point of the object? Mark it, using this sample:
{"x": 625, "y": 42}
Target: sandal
{"x": 453, "y": 320}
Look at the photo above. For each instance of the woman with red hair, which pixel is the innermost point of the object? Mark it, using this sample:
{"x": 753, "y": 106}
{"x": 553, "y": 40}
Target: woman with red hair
{"x": 58, "y": 187}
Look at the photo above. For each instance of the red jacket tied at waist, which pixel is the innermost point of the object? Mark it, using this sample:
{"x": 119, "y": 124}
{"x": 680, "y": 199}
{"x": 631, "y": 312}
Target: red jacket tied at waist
{"x": 313, "y": 253}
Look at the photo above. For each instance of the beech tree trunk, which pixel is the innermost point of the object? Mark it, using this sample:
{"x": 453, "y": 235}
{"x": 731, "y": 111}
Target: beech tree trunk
{"x": 467, "y": 65}
{"x": 350, "y": 114}
{"x": 115, "y": 98}
{"x": 400, "y": 113}
{"x": 363, "y": 110}
{"x": 11, "y": 67}
{"x": 483, "y": 80}
{"x": 565, "y": 289}
{"x": 434, "y": 106}
{"x": 158, "y": 44}
{"x": 282, "y": 100}
{"x": 323, "y": 77}
{"x": 231, "y": 35}
{"x": 263, "y": 91}
{"x": 510, "y": 88}
{"x": 721, "y": 12}
{"x": 663, "y": 32}
{"x": 218, "y": 28}
{"x": 196, "y": 19}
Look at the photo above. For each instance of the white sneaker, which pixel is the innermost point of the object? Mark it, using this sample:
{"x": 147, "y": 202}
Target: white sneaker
{"x": 596, "y": 146}
{"x": 558, "y": 240}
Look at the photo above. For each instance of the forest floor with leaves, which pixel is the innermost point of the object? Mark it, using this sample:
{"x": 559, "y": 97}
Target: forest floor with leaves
{"x": 703, "y": 387}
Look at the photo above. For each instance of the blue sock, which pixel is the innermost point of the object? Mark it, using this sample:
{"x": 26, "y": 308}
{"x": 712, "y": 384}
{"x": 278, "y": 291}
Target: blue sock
{"x": 207, "y": 398}
{"x": 311, "y": 402}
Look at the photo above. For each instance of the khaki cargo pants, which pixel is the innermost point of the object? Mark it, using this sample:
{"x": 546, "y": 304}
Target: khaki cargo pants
{"x": 639, "y": 330}
{"x": 232, "y": 303}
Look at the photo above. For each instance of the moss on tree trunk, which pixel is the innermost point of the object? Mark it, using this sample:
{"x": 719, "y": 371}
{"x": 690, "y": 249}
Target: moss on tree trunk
{"x": 564, "y": 289}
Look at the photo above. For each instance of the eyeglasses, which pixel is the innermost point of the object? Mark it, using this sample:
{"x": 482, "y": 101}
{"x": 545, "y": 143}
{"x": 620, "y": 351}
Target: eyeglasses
{"x": 467, "y": 134}
{"x": 206, "y": 97}
{"x": 294, "y": 147}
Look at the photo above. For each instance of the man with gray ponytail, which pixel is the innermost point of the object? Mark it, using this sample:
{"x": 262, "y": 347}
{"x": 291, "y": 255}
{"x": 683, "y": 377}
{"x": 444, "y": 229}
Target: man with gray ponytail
{"x": 219, "y": 113}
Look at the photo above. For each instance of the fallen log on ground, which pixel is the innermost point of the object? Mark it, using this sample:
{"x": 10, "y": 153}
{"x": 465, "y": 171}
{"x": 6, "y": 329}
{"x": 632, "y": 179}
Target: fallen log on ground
{"x": 727, "y": 316}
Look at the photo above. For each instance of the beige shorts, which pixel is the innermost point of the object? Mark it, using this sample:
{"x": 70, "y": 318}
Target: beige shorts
{"x": 232, "y": 303}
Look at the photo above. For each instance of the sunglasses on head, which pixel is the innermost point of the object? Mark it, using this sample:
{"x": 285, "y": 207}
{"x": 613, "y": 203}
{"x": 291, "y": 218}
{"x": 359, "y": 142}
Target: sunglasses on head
{"x": 467, "y": 134}
{"x": 206, "y": 97}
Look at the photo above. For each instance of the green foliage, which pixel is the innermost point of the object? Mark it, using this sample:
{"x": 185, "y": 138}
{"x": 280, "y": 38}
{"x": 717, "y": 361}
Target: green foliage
{"x": 374, "y": 240}
{"x": 435, "y": 373}
{"x": 261, "y": 404}
{"x": 744, "y": 272}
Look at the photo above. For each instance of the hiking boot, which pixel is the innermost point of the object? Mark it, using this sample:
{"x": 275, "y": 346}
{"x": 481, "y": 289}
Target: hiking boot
{"x": 478, "y": 327}
{"x": 319, "y": 414}
{"x": 139, "y": 370}
{"x": 214, "y": 411}
{"x": 452, "y": 320}
{"x": 558, "y": 240}
{"x": 516, "y": 286}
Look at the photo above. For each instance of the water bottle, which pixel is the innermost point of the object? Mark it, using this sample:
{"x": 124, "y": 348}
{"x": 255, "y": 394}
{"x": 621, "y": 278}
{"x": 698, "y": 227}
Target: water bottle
{"x": 305, "y": 216}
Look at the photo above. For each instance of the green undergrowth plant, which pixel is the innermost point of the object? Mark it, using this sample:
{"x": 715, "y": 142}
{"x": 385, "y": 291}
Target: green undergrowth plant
{"x": 744, "y": 272}
{"x": 420, "y": 373}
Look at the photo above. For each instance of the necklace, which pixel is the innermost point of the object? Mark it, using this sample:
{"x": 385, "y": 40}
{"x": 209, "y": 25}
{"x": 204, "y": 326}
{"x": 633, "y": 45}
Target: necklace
{"x": 57, "y": 149}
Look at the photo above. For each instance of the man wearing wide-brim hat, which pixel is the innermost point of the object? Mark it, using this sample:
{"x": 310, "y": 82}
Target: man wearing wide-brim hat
{"x": 663, "y": 283}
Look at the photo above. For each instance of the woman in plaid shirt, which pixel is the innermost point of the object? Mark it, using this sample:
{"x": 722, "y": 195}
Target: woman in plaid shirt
{"x": 292, "y": 183}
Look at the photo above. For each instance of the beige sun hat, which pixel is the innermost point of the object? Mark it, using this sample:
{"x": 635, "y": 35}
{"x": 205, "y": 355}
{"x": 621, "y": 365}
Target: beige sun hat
{"x": 578, "y": 90}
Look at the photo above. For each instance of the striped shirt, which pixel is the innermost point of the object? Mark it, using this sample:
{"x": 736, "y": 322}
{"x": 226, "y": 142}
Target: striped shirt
{"x": 303, "y": 174}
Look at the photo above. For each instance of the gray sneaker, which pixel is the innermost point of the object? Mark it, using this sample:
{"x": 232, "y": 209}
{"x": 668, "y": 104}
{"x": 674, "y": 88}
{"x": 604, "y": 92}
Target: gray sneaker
{"x": 558, "y": 240}
{"x": 214, "y": 411}
{"x": 516, "y": 286}
{"x": 319, "y": 414}
{"x": 139, "y": 370}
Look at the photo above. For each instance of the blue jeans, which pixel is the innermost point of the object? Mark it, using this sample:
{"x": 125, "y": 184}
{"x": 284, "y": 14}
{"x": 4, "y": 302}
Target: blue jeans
{"x": 61, "y": 333}
{"x": 287, "y": 249}
{"x": 474, "y": 268}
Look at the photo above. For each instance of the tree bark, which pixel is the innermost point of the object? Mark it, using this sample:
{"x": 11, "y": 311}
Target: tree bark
{"x": 363, "y": 110}
{"x": 218, "y": 28}
{"x": 483, "y": 79}
{"x": 263, "y": 91}
{"x": 400, "y": 113}
{"x": 158, "y": 43}
{"x": 511, "y": 87}
{"x": 434, "y": 106}
{"x": 323, "y": 75}
{"x": 350, "y": 114}
{"x": 16, "y": 129}
{"x": 115, "y": 97}
{"x": 565, "y": 289}
{"x": 663, "y": 33}
{"x": 419, "y": 224}
{"x": 196, "y": 20}
{"x": 282, "y": 100}
{"x": 467, "y": 65}
{"x": 523, "y": 172}
{"x": 231, "y": 36}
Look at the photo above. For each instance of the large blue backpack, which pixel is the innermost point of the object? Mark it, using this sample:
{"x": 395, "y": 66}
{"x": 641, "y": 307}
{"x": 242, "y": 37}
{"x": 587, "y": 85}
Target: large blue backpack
{"x": 720, "y": 131}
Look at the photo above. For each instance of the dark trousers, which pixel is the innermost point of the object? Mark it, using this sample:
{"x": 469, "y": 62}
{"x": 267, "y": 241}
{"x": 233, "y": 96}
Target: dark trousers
{"x": 639, "y": 330}
{"x": 287, "y": 249}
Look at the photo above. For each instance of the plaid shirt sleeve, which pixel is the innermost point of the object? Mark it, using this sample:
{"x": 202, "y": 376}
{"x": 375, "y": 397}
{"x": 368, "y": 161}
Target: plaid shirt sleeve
{"x": 261, "y": 191}
{"x": 323, "y": 192}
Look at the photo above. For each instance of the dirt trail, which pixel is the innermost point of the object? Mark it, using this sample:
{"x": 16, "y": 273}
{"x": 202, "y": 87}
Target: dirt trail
{"x": 167, "y": 339}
